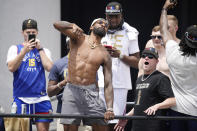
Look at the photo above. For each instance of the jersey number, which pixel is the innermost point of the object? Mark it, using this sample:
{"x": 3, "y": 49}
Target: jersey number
{"x": 138, "y": 97}
{"x": 31, "y": 62}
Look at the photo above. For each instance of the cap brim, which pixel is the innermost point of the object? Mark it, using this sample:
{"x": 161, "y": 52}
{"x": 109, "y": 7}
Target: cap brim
{"x": 112, "y": 13}
{"x": 149, "y": 52}
{"x": 190, "y": 44}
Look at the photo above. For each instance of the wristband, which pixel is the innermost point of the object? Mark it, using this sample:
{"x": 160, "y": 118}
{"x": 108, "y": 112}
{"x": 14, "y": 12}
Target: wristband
{"x": 121, "y": 56}
{"x": 110, "y": 109}
{"x": 58, "y": 85}
{"x": 40, "y": 49}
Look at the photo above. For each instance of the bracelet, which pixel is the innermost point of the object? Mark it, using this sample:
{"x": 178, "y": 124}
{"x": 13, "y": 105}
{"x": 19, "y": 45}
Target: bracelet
{"x": 164, "y": 9}
{"x": 58, "y": 85}
{"x": 40, "y": 49}
{"x": 110, "y": 109}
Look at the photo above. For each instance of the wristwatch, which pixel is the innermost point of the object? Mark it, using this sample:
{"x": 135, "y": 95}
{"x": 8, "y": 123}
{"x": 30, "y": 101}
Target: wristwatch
{"x": 40, "y": 49}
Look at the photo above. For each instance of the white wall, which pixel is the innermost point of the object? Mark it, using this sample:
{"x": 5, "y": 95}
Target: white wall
{"x": 12, "y": 14}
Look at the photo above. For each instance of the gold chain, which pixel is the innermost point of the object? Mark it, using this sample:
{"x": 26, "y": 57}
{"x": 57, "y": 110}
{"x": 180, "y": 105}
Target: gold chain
{"x": 92, "y": 46}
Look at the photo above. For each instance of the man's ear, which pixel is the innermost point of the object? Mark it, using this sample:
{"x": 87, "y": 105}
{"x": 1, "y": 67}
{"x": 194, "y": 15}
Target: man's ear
{"x": 176, "y": 28}
{"x": 91, "y": 28}
{"x": 157, "y": 61}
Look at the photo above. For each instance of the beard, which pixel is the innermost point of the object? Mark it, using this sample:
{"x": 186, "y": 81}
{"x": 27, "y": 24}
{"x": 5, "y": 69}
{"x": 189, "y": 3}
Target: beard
{"x": 99, "y": 31}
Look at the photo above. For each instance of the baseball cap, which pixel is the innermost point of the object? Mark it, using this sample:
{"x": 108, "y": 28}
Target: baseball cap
{"x": 191, "y": 36}
{"x": 151, "y": 51}
{"x": 113, "y": 8}
{"x": 29, "y": 24}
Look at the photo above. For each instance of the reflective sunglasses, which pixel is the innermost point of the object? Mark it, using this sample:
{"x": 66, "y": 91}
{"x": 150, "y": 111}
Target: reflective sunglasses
{"x": 156, "y": 36}
{"x": 190, "y": 38}
{"x": 102, "y": 22}
{"x": 148, "y": 55}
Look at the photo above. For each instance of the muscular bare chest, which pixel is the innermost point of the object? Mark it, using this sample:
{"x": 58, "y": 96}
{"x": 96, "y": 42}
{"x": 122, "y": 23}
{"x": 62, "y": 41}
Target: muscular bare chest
{"x": 84, "y": 57}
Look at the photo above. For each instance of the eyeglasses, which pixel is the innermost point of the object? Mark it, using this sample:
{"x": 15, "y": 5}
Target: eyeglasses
{"x": 190, "y": 38}
{"x": 156, "y": 36}
{"x": 102, "y": 22}
{"x": 147, "y": 55}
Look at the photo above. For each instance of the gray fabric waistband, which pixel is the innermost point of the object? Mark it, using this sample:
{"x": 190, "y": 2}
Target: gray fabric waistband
{"x": 89, "y": 87}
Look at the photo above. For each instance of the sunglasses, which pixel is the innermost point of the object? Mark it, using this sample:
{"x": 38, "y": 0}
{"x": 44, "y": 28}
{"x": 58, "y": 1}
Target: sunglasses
{"x": 190, "y": 38}
{"x": 148, "y": 55}
{"x": 156, "y": 36}
{"x": 102, "y": 22}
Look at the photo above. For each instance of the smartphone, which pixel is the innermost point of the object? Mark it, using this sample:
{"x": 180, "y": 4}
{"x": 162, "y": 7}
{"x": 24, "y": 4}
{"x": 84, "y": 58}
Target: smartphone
{"x": 32, "y": 36}
{"x": 108, "y": 46}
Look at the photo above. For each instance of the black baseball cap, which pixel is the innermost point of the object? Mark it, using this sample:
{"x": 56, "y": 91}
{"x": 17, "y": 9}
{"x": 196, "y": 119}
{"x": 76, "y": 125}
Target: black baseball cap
{"x": 29, "y": 24}
{"x": 113, "y": 8}
{"x": 151, "y": 51}
{"x": 191, "y": 36}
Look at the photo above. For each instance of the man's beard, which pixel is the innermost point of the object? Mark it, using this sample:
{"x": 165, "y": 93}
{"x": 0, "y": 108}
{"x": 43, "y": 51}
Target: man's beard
{"x": 99, "y": 31}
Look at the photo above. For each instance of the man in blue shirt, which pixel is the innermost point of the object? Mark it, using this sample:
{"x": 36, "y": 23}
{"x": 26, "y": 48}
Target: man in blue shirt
{"x": 28, "y": 62}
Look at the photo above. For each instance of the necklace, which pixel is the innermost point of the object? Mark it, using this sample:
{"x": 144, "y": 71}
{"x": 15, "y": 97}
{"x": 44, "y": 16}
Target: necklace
{"x": 142, "y": 79}
{"x": 92, "y": 46}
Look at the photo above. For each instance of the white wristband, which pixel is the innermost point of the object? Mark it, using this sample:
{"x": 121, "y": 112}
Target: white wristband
{"x": 110, "y": 109}
{"x": 58, "y": 85}
{"x": 121, "y": 56}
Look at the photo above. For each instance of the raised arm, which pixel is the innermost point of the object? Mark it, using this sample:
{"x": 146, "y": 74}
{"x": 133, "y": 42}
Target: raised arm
{"x": 69, "y": 29}
{"x": 164, "y": 22}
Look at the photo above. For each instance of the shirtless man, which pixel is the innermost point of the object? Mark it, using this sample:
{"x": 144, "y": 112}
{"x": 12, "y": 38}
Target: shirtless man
{"x": 157, "y": 43}
{"x": 80, "y": 95}
{"x": 172, "y": 28}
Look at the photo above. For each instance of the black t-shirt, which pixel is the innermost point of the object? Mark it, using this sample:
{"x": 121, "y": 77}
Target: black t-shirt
{"x": 150, "y": 90}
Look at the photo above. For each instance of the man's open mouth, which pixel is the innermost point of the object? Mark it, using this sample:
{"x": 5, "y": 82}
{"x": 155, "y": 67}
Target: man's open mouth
{"x": 146, "y": 63}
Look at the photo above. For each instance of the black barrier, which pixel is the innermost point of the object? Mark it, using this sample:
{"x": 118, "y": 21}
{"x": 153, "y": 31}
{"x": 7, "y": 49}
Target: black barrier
{"x": 99, "y": 117}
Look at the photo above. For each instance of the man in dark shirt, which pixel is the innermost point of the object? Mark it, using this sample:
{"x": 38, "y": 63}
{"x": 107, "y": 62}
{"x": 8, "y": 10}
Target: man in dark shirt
{"x": 153, "y": 93}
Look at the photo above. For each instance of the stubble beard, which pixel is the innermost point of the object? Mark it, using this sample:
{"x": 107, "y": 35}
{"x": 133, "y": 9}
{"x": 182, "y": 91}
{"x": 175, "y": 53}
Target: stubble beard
{"x": 99, "y": 31}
